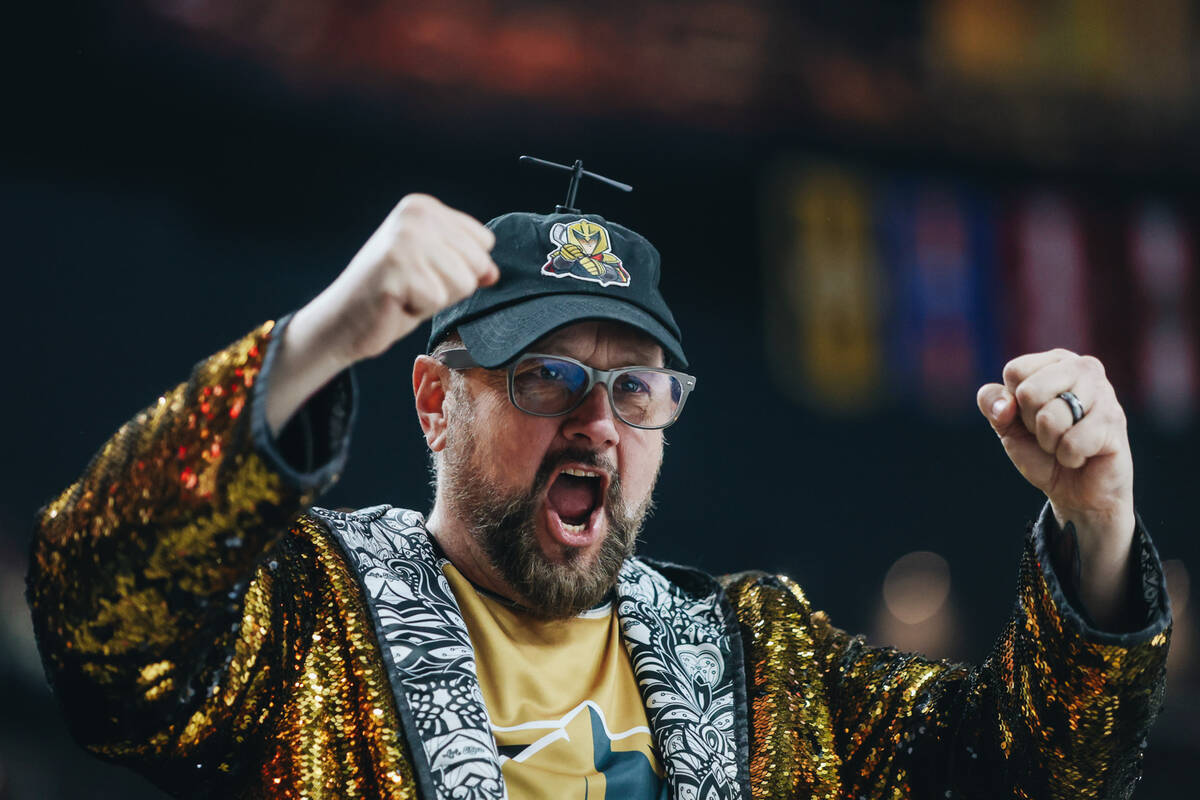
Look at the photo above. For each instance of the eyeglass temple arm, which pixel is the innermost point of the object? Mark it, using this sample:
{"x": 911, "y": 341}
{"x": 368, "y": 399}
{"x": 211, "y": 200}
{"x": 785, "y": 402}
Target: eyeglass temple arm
{"x": 458, "y": 359}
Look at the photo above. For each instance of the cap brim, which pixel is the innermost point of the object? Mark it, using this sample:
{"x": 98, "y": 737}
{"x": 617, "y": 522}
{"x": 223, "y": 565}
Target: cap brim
{"x": 497, "y": 338}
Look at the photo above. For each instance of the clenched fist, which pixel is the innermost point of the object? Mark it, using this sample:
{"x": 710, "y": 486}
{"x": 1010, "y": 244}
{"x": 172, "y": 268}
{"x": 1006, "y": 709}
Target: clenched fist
{"x": 1084, "y": 468}
{"x": 424, "y": 257}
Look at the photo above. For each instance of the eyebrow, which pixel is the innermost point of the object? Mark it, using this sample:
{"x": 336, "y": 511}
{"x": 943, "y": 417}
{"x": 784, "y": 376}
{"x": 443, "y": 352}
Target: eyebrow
{"x": 649, "y": 357}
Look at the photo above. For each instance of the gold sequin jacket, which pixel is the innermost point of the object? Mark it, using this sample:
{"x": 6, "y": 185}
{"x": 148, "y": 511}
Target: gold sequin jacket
{"x": 198, "y": 627}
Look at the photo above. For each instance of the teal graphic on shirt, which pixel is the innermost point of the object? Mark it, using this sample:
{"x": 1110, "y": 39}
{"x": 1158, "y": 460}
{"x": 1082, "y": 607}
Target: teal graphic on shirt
{"x": 627, "y": 773}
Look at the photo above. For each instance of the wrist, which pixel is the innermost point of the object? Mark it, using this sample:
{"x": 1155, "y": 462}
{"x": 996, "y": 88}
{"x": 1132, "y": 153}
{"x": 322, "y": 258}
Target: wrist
{"x": 317, "y": 339}
{"x": 306, "y": 360}
{"x": 1101, "y": 531}
{"x": 1104, "y": 547}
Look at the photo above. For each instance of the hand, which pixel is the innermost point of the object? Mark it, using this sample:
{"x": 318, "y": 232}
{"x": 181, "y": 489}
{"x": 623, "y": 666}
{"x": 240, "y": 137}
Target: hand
{"x": 423, "y": 258}
{"x": 1084, "y": 468}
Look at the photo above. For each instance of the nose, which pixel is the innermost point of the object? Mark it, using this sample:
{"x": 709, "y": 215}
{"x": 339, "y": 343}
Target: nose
{"x": 593, "y": 420}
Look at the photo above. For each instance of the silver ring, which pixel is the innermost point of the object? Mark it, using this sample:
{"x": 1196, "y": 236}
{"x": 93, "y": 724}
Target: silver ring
{"x": 1073, "y": 403}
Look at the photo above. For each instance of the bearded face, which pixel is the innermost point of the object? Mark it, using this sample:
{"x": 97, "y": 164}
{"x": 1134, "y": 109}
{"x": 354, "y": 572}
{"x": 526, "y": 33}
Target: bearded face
{"x": 503, "y": 520}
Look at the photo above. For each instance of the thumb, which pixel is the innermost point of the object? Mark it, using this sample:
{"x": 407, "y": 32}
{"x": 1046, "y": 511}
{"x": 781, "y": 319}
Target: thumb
{"x": 999, "y": 405}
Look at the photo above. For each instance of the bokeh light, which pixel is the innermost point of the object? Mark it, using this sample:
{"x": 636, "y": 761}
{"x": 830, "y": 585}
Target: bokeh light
{"x": 916, "y": 586}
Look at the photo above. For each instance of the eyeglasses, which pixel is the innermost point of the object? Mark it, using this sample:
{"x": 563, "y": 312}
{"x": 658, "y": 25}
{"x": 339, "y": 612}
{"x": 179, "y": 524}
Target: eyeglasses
{"x": 551, "y": 386}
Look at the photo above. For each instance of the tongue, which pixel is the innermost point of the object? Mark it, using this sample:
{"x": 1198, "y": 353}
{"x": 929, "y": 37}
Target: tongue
{"x": 572, "y": 498}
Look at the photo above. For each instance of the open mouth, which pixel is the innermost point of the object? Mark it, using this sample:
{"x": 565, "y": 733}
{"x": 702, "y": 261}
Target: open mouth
{"x": 575, "y": 501}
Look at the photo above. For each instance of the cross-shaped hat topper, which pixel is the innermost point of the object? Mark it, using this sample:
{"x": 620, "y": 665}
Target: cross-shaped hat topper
{"x": 577, "y": 172}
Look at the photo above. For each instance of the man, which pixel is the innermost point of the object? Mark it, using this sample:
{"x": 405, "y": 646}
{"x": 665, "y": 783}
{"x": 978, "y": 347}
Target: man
{"x": 200, "y": 627}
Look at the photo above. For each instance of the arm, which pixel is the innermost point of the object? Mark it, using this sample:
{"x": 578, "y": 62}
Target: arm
{"x": 157, "y": 625}
{"x": 1058, "y": 710}
{"x": 165, "y": 594}
{"x": 1062, "y": 706}
{"x": 1084, "y": 467}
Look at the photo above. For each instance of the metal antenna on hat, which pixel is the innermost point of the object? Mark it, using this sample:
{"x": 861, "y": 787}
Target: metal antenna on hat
{"x": 577, "y": 172}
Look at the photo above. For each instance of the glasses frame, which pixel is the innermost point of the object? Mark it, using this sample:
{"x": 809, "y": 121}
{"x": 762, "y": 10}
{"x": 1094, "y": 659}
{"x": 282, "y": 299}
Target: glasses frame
{"x": 460, "y": 359}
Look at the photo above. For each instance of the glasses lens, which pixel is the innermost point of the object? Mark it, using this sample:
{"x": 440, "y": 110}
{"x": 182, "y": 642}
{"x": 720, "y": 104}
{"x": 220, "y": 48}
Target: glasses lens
{"x": 647, "y": 397}
{"x": 543, "y": 385}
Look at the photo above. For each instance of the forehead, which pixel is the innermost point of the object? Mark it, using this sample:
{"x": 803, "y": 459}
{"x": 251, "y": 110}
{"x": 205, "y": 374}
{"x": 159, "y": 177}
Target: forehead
{"x": 603, "y": 340}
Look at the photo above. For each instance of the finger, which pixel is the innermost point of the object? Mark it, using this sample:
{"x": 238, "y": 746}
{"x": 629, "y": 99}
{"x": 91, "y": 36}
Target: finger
{"x": 455, "y": 274}
{"x": 996, "y": 403}
{"x": 1068, "y": 375}
{"x": 471, "y": 228}
{"x": 1084, "y": 376}
{"x": 1051, "y": 421}
{"x": 1022, "y": 367}
{"x": 1089, "y": 437}
{"x": 423, "y": 291}
{"x": 478, "y": 260}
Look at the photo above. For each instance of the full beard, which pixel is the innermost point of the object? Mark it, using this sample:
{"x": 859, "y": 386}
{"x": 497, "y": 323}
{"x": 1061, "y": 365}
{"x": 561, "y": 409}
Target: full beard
{"x": 503, "y": 523}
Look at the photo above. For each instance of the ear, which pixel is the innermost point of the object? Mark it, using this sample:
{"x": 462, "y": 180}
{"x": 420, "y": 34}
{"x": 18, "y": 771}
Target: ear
{"x": 429, "y": 391}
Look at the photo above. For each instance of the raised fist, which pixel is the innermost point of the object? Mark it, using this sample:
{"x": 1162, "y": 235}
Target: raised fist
{"x": 1083, "y": 465}
{"x": 424, "y": 257}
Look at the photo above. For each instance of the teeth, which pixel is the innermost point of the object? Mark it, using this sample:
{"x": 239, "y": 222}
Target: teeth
{"x": 574, "y": 528}
{"x": 579, "y": 473}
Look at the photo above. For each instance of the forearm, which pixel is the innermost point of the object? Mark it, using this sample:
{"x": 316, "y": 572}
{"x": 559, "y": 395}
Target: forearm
{"x": 1103, "y": 546}
{"x": 310, "y": 353}
{"x": 1076, "y": 698}
{"x": 1059, "y": 709}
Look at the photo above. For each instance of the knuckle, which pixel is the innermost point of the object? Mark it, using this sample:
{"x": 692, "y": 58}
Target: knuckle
{"x": 1024, "y": 395}
{"x": 1045, "y": 418}
{"x": 1010, "y": 373}
{"x": 395, "y": 285}
{"x": 416, "y": 205}
{"x": 438, "y": 295}
{"x": 461, "y": 286}
{"x": 1063, "y": 352}
{"x": 404, "y": 241}
{"x": 405, "y": 235}
{"x": 1092, "y": 364}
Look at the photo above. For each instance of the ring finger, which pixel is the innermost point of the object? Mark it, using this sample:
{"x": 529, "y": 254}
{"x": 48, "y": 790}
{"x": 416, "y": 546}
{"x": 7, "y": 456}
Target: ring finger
{"x": 1089, "y": 437}
{"x": 1051, "y": 422}
{"x": 1043, "y": 387}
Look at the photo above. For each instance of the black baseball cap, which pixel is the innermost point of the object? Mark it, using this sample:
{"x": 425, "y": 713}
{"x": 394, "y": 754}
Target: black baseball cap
{"x": 556, "y": 269}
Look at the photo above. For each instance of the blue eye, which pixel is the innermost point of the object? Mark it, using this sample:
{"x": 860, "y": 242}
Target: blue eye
{"x": 632, "y": 385}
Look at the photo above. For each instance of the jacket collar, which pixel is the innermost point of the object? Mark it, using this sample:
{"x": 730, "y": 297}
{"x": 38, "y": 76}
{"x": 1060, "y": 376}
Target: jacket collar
{"x": 685, "y": 652}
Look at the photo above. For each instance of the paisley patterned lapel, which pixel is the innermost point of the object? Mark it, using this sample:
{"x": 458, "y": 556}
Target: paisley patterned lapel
{"x": 683, "y": 659}
{"x": 426, "y": 648}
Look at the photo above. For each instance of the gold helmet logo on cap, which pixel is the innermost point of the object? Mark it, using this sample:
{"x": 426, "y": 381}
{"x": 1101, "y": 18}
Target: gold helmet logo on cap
{"x": 584, "y": 253}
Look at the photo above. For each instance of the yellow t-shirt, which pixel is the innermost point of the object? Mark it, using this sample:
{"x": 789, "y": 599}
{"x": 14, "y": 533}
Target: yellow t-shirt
{"x": 564, "y": 704}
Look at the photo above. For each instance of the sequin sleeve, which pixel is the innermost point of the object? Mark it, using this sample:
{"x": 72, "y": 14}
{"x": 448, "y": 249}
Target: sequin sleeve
{"x": 1058, "y": 710}
{"x": 163, "y": 596}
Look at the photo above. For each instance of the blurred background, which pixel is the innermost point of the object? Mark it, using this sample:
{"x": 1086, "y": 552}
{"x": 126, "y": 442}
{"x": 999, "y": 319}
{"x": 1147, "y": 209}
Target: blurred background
{"x": 864, "y": 209}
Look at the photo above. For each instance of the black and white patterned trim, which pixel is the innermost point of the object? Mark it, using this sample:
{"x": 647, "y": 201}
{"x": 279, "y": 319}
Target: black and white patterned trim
{"x": 427, "y": 650}
{"x": 680, "y": 650}
{"x": 678, "y": 644}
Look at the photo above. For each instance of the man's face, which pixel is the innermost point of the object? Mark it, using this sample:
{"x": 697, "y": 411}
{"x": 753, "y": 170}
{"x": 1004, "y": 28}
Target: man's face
{"x": 554, "y": 503}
